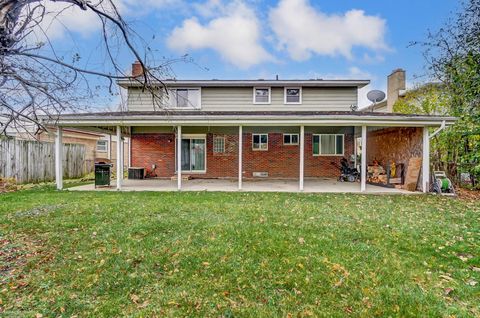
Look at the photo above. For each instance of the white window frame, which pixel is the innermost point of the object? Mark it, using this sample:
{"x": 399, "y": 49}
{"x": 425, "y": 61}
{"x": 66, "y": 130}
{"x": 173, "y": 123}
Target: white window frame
{"x": 291, "y": 144}
{"x": 106, "y": 145}
{"x": 269, "y": 95}
{"x": 223, "y": 144}
{"x": 285, "y": 95}
{"x": 172, "y": 92}
{"x": 191, "y": 136}
{"x": 259, "y": 149}
{"x": 320, "y": 145}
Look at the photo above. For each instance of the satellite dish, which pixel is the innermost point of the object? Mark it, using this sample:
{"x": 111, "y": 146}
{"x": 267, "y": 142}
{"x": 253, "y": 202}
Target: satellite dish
{"x": 375, "y": 96}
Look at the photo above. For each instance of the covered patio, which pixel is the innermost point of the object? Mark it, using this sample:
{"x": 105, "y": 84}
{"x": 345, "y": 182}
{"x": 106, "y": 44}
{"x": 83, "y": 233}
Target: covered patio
{"x": 262, "y": 151}
{"x": 318, "y": 185}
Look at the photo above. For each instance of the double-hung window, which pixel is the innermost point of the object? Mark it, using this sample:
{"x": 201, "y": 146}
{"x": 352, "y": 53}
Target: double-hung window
{"x": 185, "y": 98}
{"x": 293, "y": 95}
{"x": 102, "y": 145}
{"x": 290, "y": 139}
{"x": 261, "y": 95}
{"x": 260, "y": 141}
{"x": 328, "y": 145}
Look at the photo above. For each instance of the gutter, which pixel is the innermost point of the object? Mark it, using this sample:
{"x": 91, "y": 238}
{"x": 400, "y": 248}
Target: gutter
{"x": 207, "y": 122}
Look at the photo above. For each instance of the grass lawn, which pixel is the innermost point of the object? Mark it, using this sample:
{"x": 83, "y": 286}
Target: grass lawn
{"x": 146, "y": 254}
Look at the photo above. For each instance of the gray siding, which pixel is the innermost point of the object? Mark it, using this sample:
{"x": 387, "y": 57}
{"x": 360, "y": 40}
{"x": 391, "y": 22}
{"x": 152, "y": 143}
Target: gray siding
{"x": 241, "y": 98}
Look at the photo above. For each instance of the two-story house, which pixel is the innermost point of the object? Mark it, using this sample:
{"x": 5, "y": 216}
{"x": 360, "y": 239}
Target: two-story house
{"x": 244, "y": 130}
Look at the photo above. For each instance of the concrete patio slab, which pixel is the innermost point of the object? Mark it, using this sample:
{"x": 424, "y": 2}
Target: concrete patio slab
{"x": 311, "y": 186}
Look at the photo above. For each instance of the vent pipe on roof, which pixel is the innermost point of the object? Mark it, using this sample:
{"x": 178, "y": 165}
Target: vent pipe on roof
{"x": 277, "y": 77}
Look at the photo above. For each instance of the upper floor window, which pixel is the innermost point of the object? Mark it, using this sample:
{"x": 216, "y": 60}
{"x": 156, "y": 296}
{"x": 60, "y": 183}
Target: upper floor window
{"x": 293, "y": 95}
{"x": 185, "y": 98}
{"x": 102, "y": 145}
{"x": 261, "y": 95}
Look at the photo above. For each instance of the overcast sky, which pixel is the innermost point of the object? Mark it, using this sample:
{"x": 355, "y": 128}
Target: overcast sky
{"x": 294, "y": 39}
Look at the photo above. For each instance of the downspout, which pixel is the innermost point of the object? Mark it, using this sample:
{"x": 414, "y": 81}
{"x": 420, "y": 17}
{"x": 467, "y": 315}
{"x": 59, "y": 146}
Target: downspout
{"x": 442, "y": 127}
{"x": 436, "y": 132}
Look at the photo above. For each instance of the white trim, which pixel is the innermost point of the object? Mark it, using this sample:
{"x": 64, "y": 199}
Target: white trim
{"x": 285, "y": 95}
{"x": 59, "y": 158}
{"x": 213, "y": 143}
{"x": 290, "y": 144}
{"x": 227, "y": 120}
{"x": 259, "y": 134}
{"x": 240, "y": 157}
{"x": 302, "y": 157}
{"x": 269, "y": 95}
{"x": 250, "y": 83}
{"x": 363, "y": 170}
{"x": 425, "y": 161}
{"x": 442, "y": 127}
{"x": 194, "y": 136}
{"x": 190, "y": 137}
{"x": 102, "y": 141}
{"x": 320, "y": 154}
{"x": 169, "y": 106}
{"x": 130, "y": 151}
{"x": 109, "y": 146}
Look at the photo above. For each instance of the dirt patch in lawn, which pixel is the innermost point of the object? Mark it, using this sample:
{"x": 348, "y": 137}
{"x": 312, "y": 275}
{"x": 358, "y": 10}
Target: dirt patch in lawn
{"x": 8, "y": 185}
{"x": 15, "y": 253}
{"x": 468, "y": 195}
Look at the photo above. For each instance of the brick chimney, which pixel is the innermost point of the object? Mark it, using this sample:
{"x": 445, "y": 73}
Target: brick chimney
{"x": 137, "y": 69}
{"x": 395, "y": 84}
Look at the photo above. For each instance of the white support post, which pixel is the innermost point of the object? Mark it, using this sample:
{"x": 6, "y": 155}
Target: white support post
{"x": 109, "y": 146}
{"x": 363, "y": 184}
{"x": 123, "y": 156}
{"x": 119, "y": 158}
{"x": 240, "y": 157}
{"x": 179, "y": 158}
{"x": 302, "y": 157}
{"x": 130, "y": 151}
{"x": 59, "y": 158}
{"x": 426, "y": 161}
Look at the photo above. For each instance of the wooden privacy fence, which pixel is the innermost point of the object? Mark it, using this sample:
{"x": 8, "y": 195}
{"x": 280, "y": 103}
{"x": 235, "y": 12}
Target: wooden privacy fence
{"x": 33, "y": 161}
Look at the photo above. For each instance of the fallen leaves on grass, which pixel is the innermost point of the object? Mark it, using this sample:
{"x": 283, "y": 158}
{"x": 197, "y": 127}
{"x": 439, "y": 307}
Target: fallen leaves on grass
{"x": 136, "y": 300}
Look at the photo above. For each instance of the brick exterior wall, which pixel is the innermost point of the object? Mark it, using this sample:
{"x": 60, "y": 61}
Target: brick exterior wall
{"x": 321, "y": 166}
{"x": 280, "y": 161}
{"x": 154, "y": 149}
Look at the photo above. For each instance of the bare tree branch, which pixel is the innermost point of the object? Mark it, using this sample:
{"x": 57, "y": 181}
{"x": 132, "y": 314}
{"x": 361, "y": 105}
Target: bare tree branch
{"x": 35, "y": 80}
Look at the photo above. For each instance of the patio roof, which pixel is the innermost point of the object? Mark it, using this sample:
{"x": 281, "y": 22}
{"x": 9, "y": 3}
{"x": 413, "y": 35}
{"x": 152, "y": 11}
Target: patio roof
{"x": 277, "y": 118}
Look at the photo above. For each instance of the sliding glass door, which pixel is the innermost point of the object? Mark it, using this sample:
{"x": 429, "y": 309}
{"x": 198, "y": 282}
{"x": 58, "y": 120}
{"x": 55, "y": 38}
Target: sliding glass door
{"x": 193, "y": 154}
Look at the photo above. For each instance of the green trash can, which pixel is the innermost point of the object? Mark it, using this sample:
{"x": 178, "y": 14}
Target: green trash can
{"x": 102, "y": 174}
